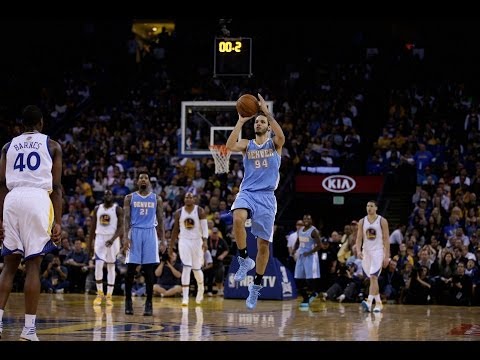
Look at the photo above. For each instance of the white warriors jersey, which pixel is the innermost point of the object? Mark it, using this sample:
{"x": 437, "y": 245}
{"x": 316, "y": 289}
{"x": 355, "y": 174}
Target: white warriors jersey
{"x": 372, "y": 234}
{"x": 106, "y": 220}
{"x": 190, "y": 224}
{"x": 29, "y": 163}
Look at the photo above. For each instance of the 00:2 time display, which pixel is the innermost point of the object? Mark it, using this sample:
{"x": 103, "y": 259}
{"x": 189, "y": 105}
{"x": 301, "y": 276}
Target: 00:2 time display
{"x": 229, "y": 46}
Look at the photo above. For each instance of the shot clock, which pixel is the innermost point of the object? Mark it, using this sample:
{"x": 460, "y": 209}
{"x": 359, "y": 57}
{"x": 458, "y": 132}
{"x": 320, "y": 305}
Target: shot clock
{"x": 232, "y": 57}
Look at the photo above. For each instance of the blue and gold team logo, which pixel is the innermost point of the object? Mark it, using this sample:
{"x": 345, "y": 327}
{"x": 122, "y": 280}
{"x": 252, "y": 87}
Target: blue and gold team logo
{"x": 371, "y": 234}
{"x": 105, "y": 219}
{"x": 189, "y": 223}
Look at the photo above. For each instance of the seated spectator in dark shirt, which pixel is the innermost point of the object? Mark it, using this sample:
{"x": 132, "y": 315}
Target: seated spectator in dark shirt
{"x": 54, "y": 278}
{"x": 391, "y": 282}
{"x": 461, "y": 291}
{"x": 343, "y": 285}
{"x": 168, "y": 273}
{"x": 77, "y": 265}
{"x": 219, "y": 249}
{"x": 418, "y": 287}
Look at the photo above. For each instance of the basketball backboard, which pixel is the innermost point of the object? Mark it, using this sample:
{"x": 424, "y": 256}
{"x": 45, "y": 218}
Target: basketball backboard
{"x": 205, "y": 123}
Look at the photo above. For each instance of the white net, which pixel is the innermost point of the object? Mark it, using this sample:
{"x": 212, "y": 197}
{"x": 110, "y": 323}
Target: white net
{"x": 221, "y": 155}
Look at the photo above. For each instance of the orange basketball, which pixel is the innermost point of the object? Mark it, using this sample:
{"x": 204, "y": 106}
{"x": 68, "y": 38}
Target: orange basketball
{"x": 247, "y": 105}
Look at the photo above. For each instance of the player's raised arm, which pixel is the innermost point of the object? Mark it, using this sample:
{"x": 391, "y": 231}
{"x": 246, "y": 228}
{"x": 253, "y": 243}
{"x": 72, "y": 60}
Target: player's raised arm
{"x": 233, "y": 144}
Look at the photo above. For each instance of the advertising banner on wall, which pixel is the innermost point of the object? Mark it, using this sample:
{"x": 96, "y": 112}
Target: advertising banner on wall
{"x": 278, "y": 282}
{"x": 339, "y": 184}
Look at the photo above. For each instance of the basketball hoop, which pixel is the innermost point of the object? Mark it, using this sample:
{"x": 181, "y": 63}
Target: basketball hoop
{"x": 221, "y": 155}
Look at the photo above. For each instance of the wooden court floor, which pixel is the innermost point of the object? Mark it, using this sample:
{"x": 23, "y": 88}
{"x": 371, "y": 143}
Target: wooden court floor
{"x": 72, "y": 317}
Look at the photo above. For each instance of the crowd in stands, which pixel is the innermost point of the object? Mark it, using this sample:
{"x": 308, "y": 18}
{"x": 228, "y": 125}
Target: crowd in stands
{"x": 429, "y": 140}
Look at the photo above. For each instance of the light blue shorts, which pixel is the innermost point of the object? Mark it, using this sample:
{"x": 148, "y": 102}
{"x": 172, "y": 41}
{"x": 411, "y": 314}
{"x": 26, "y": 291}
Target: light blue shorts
{"x": 262, "y": 207}
{"x": 143, "y": 246}
{"x": 307, "y": 267}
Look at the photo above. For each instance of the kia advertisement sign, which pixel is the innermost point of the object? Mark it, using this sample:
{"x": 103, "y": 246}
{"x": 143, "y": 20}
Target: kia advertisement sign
{"x": 339, "y": 184}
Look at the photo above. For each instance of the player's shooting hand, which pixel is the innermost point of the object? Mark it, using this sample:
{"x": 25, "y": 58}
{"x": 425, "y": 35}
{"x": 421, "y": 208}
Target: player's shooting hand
{"x": 243, "y": 120}
{"x": 263, "y": 104}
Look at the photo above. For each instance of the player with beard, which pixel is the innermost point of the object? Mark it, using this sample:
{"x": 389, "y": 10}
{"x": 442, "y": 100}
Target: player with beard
{"x": 256, "y": 199}
{"x": 143, "y": 228}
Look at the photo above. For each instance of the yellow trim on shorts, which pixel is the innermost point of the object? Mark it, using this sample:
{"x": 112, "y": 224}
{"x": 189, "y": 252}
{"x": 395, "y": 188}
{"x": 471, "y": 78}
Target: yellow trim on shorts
{"x": 50, "y": 218}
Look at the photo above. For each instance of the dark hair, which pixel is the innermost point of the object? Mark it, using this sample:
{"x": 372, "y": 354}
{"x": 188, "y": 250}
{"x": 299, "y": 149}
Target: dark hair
{"x": 143, "y": 172}
{"x": 31, "y": 115}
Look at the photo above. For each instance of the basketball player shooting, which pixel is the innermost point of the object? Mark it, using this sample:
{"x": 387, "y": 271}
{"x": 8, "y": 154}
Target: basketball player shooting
{"x": 256, "y": 199}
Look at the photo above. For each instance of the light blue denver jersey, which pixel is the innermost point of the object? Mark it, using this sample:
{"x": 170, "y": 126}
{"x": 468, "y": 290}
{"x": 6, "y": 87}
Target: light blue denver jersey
{"x": 307, "y": 266}
{"x": 143, "y": 210}
{"x": 305, "y": 239}
{"x": 262, "y": 164}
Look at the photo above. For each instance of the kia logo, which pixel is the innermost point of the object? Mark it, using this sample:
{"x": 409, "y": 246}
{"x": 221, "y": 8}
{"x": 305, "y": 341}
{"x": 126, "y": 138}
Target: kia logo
{"x": 338, "y": 183}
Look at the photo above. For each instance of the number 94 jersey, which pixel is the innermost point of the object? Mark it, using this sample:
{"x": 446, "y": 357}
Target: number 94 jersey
{"x": 29, "y": 163}
{"x": 261, "y": 163}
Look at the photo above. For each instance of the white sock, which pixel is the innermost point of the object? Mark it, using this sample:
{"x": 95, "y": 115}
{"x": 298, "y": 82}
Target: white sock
{"x": 198, "y": 276}
{"x": 378, "y": 300}
{"x": 30, "y": 320}
{"x": 185, "y": 291}
{"x": 370, "y": 299}
{"x": 1, "y": 315}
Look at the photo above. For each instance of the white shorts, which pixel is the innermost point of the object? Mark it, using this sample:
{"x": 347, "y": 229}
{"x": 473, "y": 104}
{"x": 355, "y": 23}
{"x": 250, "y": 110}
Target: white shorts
{"x": 191, "y": 253}
{"x": 27, "y": 220}
{"x": 372, "y": 262}
{"x": 102, "y": 252}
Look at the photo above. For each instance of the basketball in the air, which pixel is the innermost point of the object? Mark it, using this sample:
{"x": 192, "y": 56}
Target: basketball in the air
{"x": 247, "y": 105}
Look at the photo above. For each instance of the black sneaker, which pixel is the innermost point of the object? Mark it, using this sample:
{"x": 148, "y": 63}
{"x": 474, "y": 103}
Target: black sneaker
{"x": 128, "y": 307}
{"x": 148, "y": 309}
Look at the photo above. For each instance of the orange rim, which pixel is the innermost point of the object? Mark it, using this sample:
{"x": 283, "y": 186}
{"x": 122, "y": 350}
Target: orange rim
{"x": 222, "y": 149}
